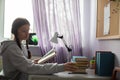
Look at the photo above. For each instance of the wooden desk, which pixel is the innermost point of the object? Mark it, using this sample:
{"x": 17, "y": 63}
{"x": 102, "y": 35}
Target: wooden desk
{"x": 67, "y": 76}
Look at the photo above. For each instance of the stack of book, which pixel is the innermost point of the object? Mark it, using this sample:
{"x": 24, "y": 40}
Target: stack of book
{"x": 81, "y": 62}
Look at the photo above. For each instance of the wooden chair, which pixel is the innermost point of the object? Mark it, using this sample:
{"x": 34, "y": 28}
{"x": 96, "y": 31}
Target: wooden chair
{"x": 115, "y": 71}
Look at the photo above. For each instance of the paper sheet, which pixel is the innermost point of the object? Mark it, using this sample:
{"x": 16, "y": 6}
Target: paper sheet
{"x": 106, "y": 19}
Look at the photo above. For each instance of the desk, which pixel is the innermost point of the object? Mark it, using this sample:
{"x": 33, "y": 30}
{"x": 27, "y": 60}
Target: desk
{"x": 67, "y": 76}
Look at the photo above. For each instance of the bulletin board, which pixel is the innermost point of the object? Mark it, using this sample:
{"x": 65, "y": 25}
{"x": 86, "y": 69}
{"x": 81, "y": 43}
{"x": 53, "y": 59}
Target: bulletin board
{"x": 108, "y": 19}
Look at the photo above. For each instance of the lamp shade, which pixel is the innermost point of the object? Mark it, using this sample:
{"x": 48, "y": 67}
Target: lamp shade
{"x": 54, "y": 38}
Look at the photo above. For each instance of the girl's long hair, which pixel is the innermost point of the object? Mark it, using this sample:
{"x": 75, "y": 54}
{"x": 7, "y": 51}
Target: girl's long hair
{"x": 19, "y": 22}
{"x": 29, "y": 53}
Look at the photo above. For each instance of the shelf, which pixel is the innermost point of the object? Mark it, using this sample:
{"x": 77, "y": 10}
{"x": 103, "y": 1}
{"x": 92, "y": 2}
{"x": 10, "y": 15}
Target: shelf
{"x": 109, "y": 37}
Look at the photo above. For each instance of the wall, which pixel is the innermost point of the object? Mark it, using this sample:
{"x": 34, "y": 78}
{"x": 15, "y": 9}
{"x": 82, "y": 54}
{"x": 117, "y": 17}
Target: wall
{"x": 1, "y": 17}
{"x": 90, "y": 43}
{"x": 109, "y": 45}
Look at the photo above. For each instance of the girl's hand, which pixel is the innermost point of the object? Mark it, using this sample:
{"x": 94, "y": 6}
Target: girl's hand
{"x": 35, "y": 61}
{"x": 69, "y": 66}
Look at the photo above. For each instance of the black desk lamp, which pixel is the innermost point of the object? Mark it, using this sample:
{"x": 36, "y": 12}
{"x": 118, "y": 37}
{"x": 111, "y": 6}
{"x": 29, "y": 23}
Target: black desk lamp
{"x": 54, "y": 40}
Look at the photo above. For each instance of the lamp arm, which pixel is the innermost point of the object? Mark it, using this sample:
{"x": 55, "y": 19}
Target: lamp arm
{"x": 68, "y": 48}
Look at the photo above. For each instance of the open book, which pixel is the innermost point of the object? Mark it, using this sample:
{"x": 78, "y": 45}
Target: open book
{"x": 47, "y": 56}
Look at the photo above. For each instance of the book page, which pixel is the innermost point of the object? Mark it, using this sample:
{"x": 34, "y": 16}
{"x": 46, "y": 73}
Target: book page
{"x": 47, "y": 56}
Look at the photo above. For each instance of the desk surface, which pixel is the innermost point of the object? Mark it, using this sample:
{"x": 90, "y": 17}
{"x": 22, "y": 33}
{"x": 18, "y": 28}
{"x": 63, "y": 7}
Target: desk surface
{"x": 67, "y": 76}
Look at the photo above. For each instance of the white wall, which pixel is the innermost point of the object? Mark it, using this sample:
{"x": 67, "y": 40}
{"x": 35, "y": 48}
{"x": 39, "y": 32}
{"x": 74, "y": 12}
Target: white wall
{"x": 93, "y": 44}
{"x": 86, "y": 28}
{"x": 97, "y": 45}
{"x": 90, "y": 43}
{"x": 1, "y": 17}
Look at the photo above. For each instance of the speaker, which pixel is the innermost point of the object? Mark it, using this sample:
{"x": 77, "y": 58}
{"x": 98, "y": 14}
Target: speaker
{"x": 104, "y": 63}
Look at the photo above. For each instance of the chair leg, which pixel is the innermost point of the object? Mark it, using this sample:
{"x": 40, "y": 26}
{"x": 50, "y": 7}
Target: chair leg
{"x": 115, "y": 71}
{"x": 114, "y": 75}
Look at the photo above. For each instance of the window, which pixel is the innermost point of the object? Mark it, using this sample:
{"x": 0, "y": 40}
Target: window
{"x": 14, "y": 9}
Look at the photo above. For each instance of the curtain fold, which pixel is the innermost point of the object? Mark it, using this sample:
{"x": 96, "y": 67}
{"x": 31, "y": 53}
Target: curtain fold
{"x": 62, "y": 16}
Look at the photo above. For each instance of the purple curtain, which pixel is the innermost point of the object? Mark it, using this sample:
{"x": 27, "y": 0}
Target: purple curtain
{"x": 62, "y": 16}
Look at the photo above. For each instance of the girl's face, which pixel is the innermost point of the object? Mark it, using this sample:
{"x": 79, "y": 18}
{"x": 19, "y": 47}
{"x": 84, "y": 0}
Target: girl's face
{"x": 23, "y": 32}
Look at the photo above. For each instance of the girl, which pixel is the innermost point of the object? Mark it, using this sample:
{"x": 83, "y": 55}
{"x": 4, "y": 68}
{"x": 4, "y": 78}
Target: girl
{"x": 16, "y": 65}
